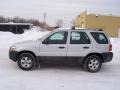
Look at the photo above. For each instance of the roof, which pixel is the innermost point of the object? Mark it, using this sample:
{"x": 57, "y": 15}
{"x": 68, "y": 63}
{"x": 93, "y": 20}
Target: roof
{"x": 79, "y": 29}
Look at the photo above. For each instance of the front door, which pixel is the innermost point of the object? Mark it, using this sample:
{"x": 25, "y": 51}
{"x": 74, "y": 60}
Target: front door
{"x": 55, "y": 44}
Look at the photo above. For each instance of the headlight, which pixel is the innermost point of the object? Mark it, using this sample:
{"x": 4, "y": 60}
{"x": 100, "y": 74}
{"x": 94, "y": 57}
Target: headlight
{"x": 13, "y": 48}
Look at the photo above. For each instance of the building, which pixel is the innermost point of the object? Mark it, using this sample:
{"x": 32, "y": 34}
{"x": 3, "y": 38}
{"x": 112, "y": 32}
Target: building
{"x": 110, "y": 24}
{"x": 16, "y": 28}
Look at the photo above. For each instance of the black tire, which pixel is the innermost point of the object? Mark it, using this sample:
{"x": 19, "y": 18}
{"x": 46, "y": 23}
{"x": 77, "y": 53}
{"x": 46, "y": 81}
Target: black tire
{"x": 26, "y": 61}
{"x": 93, "y": 63}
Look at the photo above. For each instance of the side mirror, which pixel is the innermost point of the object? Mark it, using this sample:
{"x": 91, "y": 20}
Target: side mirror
{"x": 45, "y": 42}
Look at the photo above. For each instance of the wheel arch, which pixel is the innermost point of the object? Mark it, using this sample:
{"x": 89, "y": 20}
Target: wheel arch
{"x": 97, "y": 54}
{"x": 26, "y": 51}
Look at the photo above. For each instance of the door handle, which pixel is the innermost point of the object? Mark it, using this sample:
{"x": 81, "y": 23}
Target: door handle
{"x": 61, "y": 47}
{"x": 86, "y": 47}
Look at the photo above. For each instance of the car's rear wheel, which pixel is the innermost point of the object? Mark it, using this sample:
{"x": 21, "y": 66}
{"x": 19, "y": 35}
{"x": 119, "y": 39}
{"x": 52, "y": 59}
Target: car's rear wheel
{"x": 93, "y": 63}
{"x": 26, "y": 61}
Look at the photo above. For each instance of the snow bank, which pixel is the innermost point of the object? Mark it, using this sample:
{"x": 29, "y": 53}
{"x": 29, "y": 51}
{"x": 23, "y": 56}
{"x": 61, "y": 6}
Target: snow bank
{"x": 116, "y": 44}
{"x": 32, "y": 34}
{"x": 7, "y": 38}
{"x": 116, "y": 49}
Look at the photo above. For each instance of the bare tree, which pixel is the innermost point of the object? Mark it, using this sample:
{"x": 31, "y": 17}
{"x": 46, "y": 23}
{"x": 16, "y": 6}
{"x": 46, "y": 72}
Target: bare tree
{"x": 16, "y": 19}
{"x": 2, "y": 19}
{"x": 73, "y": 23}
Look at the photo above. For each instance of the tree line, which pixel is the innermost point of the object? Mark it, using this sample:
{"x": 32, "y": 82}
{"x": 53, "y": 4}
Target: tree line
{"x": 17, "y": 19}
{"x": 35, "y": 22}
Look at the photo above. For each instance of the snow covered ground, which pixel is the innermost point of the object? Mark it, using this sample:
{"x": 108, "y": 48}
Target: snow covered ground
{"x": 52, "y": 77}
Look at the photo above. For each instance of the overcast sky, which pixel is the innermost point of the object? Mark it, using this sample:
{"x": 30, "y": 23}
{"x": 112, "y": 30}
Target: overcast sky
{"x": 57, "y": 9}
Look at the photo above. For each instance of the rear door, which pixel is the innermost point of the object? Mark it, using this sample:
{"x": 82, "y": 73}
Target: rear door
{"x": 79, "y": 45}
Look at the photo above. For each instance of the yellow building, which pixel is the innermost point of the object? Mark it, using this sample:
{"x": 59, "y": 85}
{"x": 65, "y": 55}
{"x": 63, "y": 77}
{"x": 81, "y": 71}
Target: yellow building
{"x": 110, "y": 24}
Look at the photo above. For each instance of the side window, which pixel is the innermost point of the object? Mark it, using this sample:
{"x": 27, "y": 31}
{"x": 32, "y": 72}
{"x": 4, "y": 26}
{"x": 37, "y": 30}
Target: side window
{"x": 58, "y": 38}
{"x": 100, "y": 37}
{"x": 79, "y": 38}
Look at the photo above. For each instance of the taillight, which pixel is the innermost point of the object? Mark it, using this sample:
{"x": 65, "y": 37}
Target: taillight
{"x": 110, "y": 47}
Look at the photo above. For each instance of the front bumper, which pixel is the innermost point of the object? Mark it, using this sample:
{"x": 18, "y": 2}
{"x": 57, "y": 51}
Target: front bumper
{"x": 107, "y": 57}
{"x": 13, "y": 55}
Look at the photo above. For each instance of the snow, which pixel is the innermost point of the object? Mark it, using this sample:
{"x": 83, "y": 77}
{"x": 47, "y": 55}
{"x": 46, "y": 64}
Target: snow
{"x": 7, "y": 38}
{"x": 55, "y": 77}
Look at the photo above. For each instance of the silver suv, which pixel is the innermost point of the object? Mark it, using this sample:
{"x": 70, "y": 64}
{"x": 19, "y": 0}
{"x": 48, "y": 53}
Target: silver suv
{"x": 89, "y": 48}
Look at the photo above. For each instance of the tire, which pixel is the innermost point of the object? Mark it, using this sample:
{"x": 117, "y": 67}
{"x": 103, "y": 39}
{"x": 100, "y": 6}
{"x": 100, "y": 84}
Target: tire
{"x": 26, "y": 61}
{"x": 93, "y": 63}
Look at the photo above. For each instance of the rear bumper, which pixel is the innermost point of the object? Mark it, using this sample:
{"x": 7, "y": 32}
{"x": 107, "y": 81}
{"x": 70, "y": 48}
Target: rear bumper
{"x": 107, "y": 57}
{"x": 13, "y": 55}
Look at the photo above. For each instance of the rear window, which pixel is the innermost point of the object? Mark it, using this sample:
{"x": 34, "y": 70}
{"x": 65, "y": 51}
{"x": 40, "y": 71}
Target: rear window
{"x": 100, "y": 37}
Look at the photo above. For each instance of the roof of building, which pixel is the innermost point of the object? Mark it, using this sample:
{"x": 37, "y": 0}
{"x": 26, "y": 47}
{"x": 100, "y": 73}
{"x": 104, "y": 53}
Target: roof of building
{"x": 98, "y": 14}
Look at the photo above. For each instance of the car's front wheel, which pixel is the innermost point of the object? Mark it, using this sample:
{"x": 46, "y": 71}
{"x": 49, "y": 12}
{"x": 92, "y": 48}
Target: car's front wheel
{"x": 93, "y": 63}
{"x": 26, "y": 61}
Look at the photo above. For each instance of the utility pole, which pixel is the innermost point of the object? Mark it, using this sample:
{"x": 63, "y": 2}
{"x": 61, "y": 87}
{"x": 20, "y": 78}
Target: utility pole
{"x": 44, "y": 20}
{"x": 44, "y": 17}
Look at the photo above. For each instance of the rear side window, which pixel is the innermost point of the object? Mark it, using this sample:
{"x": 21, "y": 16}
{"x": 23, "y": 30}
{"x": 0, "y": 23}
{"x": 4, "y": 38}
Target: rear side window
{"x": 79, "y": 38}
{"x": 100, "y": 37}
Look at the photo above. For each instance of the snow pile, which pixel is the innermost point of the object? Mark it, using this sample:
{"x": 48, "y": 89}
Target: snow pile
{"x": 7, "y": 38}
{"x": 32, "y": 34}
{"x": 116, "y": 44}
{"x": 116, "y": 49}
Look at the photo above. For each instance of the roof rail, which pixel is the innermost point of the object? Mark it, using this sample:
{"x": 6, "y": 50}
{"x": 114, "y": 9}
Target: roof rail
{"x": 98, "y": 29}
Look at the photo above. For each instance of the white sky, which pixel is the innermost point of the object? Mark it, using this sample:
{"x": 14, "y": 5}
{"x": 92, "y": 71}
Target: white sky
{"x": 57, "y": 9}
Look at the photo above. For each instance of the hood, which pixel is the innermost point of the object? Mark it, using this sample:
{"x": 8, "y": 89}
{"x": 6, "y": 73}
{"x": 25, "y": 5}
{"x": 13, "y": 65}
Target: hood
{"x": 23, "y": 42}
{"x": 28, "y": 42}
